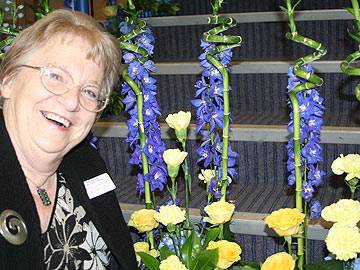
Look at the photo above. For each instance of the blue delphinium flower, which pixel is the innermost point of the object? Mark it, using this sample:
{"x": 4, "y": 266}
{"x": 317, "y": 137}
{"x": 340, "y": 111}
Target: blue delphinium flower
{"x": 154, "y": 146}
{"x": 311, "y": 112}
{"x": 209, "y": 106}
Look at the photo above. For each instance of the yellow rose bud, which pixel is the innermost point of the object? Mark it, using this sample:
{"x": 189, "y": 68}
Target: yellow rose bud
{"x": 343, "y": 241}
{"x": 349, "y": 164}
{"x": 206, "y": 175}
{"x": 178, "y": 121}
{"x": 286, "y": 221}
{"x": 229, "y": 252}
{"x": 173, "y": 158}
{"x": 170, "y": 214}
{"x": 172, "y": 263}
{"x": 141, "y": 247}
{"x": 143, "y": 220}
{"x": 344, "y": 211}
{"x": 219, "y": 212}
{"x": 279, "y": 261}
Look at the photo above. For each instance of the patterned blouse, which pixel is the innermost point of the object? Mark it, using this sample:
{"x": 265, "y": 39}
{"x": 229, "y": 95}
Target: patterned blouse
{"x": 72, "y": 241}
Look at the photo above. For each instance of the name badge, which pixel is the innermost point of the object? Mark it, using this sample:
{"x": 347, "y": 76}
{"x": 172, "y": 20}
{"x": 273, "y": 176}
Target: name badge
{"x": 99, "y": 185}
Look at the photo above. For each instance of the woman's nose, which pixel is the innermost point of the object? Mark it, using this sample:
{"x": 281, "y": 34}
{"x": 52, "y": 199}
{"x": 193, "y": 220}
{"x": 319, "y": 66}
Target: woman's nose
{"x": 70, "y": 99}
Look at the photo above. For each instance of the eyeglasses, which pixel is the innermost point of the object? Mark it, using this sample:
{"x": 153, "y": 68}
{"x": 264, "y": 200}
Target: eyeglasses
{"x": 59, "y": 82}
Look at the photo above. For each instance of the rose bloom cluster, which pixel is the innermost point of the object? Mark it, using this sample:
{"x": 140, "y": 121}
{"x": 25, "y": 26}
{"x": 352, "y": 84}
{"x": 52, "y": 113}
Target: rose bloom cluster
{"x": 279, "y": 261}
{"x": 343, "y": 239}
{"x": 349, "y": 164}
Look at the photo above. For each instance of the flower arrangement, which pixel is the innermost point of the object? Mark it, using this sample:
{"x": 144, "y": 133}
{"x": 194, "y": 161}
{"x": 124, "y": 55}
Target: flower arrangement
{"x": 354, "y": 33}
{"x": 304, "y": 150}
{"x": 172, "y": 240}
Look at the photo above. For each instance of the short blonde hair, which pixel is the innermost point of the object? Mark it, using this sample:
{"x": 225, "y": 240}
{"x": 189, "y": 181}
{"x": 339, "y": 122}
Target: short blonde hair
{"x": 104, "y": 48}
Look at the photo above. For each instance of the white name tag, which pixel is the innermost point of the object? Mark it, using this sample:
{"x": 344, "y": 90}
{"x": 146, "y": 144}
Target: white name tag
{"x": 99, "y": 185}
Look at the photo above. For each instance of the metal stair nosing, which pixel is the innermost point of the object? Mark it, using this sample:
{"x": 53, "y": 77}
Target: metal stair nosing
{"x": 252, "y": 17}
{"x": 260, "y": 133}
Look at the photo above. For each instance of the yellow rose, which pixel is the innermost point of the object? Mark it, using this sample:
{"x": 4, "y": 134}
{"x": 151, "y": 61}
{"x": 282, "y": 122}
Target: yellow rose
{"x": 206, "y": 175}
{"x": 349, "y": 164}
{"x": 219, "y": 212}
{"x": 344, "y": 211}
{"x": 286, "y": 221}
{"x": 343, "y": 241}
{"x": 178, "y": 121}
{"x": 174, "y": 157}
{"x": 143, "y": 220}
{"x": 110, "y": 11}
{"x": 172, "y": 263}
{"x": 229, "y": 252}
{"x": 170, "y": 214}
{"x": 279, "y": 261}
{"x": 144, "y": 247}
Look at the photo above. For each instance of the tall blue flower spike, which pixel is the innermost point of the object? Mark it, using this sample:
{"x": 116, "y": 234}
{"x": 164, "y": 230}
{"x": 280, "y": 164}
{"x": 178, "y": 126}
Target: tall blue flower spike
{"x": 212, "y": 101}
{"x": 139, "y": 89}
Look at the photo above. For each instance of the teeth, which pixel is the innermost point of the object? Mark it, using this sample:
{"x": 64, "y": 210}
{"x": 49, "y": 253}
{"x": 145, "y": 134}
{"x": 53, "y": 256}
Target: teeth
{"x": 58, "y": 119}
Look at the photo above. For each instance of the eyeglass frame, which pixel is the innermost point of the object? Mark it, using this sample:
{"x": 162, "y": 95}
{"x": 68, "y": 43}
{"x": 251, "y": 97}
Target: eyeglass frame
{"x": 40, "y": 69}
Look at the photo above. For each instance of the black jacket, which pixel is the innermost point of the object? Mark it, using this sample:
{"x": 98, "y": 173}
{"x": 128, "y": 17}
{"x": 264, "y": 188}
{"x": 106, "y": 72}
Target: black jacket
{"x": 81, "y": 163}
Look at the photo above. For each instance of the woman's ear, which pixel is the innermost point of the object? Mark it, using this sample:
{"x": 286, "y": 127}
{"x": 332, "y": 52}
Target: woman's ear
{"x": 6, "y": 86}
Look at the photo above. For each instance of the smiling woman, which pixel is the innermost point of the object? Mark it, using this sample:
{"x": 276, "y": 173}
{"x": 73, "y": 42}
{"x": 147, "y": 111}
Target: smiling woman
{"x": 57, "y": 205}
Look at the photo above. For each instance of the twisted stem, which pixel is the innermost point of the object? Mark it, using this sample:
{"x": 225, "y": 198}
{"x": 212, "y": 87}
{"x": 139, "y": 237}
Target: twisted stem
{"x": 312, "y": 82}
{"x": 345, "y": 65}
{"x": 224, "y": 42}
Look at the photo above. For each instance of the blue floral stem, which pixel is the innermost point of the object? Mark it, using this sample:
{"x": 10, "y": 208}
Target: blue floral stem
{"x": 313, "y": 81}
{"x": 227, "y": 42}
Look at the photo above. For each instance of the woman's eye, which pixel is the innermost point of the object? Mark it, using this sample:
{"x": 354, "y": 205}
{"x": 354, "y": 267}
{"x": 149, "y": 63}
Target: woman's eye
{"x": 90, "y": 93}
{"x": 55, "y": 76}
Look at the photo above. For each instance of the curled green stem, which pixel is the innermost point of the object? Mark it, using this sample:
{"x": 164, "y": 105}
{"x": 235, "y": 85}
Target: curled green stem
{"x": 224, "y": 42}
{"x": 312, "y": 81}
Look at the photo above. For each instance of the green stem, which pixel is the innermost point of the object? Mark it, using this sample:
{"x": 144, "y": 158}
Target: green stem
{"x": 221, "y": 232}
{"x": 173, "y": 189}
{"x": 187, "y": 178}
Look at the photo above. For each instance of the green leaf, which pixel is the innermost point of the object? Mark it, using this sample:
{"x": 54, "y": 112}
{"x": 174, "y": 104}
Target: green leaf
{"x": 211, "y": 235}
{"x": 186, "y": 250}
{"x": 351, "y": 11}
{"x": 245, "y": 265}
{"x": 205, "y": 260}
{"x": 325, "y": 265}
{"x": 165, "y": 252}
{"x": 227, "y": 233}
{"x": 150, "y": 262}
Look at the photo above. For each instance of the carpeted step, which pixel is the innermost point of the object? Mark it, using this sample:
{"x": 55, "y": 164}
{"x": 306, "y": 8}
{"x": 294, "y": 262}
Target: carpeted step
{"x": 259, "y": 187}
{"x": 261, "y": 41}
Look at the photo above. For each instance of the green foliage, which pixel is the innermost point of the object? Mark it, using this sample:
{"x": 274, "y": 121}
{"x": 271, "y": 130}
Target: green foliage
{"x": 157, "y": 7}
{"x": 150, "y": 262}
{"x": 205, "y": 260}
{"x": 211, "y": 235}
{"x": 325, "y": 265}
{"x": 165, "y": 252}
{"x": 245, "y": 265}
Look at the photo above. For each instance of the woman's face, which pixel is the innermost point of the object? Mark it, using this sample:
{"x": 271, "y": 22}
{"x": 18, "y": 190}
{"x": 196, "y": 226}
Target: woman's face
{"x": 38, "y": 120}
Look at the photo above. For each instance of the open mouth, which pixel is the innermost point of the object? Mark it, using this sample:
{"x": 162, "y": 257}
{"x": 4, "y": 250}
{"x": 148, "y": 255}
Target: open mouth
{"x": 60, "y": 121}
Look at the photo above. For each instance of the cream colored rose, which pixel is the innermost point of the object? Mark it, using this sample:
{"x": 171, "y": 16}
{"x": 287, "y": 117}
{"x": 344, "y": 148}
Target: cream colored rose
{"x": 344, "y": 211}
{"x": 144, "y": 247}
{"x": 286, "y": 221}
{"x": 206, "y": 175}
{"x": 178, "y": 121}
{"x": 343, "y": 241}
{"x": 172, "y": 263}
{"x": 219, "y": 212}
{"x": 229, "y": 252}
{"x": 174, "y": 157}
{"x": 143, "y": 220}
{"x": 170, "y": 214}
{"x": 349, "y": 164}
{"x": 279, "y": 261}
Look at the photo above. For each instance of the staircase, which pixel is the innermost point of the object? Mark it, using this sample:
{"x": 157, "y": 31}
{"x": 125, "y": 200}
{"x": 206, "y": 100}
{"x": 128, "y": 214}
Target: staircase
{"x": 259, "y": 110}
